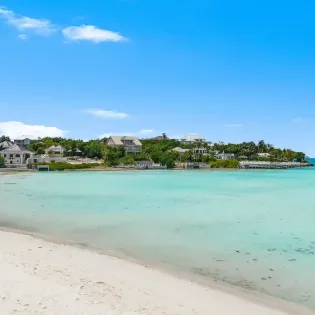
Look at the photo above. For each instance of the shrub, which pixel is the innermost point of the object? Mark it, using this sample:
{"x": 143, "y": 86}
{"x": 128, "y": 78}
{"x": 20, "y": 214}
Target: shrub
{"x": 62, "y": 166}
{"x": 225, "y": 164}
{"x": 2, "y": 162}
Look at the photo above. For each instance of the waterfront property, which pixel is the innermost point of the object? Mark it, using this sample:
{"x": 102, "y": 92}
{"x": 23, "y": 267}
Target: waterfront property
{"x": 131, "y": 144}
{"x": 224, "y": 156}
{"x": 15, "y": 156}
{"x": 264, "y": 155}
{"x": 55, "y": 150}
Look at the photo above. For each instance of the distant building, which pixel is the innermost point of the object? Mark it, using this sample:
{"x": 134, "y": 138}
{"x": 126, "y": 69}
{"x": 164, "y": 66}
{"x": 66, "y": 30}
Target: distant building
{"x": 55, "y": 150}
{"x": 263, "y": 155}
{"x": 129, "y": 143}
{"x": 192, "y": 139}
{"x": 148, "y": 165}
{"x": 201, "y": 151}
{"x": 224, "y": 156}
{"x": 180, "y": 150}
{"x": 24, "y": 141}
{"x": 160, "y": 138}
{"x": 14, "y": 156}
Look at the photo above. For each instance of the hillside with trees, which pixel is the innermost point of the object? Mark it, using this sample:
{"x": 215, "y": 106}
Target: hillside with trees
{"x": 161, "y": 151}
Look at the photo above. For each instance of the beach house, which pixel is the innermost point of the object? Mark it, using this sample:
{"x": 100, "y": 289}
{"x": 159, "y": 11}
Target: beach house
{"x": 55, "y": 150}
{"x": 15, "y": 156}
{"x": 264, "y": 155}
{"x": 131, "y": 144}
{"x": 224, "y": 156}
{"x": 192, "y": 139}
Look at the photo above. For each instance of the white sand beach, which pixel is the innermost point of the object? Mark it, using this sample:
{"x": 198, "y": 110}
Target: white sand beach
{"x": 39, "y": 277}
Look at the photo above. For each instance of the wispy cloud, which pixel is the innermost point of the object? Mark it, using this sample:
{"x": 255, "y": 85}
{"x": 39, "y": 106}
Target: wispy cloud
{"x": 45, "y": 27}
{"x": 146, "y": 131}
{"x": 22, "y": 23}
{"x": 107, "y": 114}
{"x": 15, "y": 129}
{"x": 234, "y": 125}
{"x": 22, "y": 36}
{"x": 91, "y": 33}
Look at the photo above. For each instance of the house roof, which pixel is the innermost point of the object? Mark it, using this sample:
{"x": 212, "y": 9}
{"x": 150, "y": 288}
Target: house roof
{"x": 193, "y": 138}
{"x": 5, "y": 144}
{"x": 56, "y": 148}
{"x": 159, "y": 138}
{"x": 118, "y": 140}
{"x": 15, "y": 149}
{"x": 180, "y": 150}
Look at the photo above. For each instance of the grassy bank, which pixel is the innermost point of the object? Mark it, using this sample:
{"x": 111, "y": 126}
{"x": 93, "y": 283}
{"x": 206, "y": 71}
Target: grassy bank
{"x": 224, "y": 164}
{"x": 63, "y": 166}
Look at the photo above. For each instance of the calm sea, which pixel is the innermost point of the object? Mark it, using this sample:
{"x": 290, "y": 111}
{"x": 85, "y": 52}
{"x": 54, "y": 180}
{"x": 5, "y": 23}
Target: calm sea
{"x": 253, "y": 229}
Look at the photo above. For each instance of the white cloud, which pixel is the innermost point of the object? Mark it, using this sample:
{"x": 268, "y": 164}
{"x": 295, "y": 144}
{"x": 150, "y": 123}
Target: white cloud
{"x": 91, "y": 33}
{"x": 106, "y": 113}
{"x": 24, "y": 23}
{"x": 22, "y": 36}
{"x": 234, "y": 125}
{"x": 146, "y": 131}
{"x": 45, "y": 27}
{"x": 15, "y": 129}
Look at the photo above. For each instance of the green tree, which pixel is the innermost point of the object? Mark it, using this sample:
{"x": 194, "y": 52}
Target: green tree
{"x": 5, "y": 138}
{"x": 2, "y": 162}
{"x": 127, "y": 160}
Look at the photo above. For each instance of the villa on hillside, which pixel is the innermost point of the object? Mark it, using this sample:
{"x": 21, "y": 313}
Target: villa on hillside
{"x": 55, "y": 150}
{"x": 192, "y": 139}
{"x": 264, "y": 155}
{"x": 160, "y": 138}
{"x": 24, "y": 140}
{"x": 14, "y": 155}
{"x": 224, "y": 156}
{"x": 131, "y": 144}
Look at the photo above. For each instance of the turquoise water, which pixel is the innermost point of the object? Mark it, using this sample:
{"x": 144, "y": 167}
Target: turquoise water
{"x": 252, "y": 229}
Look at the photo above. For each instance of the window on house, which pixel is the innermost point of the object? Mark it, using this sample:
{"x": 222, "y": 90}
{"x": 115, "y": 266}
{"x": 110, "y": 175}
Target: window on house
{"x": 11, "y": 156}
{"x": 17, "y": 155}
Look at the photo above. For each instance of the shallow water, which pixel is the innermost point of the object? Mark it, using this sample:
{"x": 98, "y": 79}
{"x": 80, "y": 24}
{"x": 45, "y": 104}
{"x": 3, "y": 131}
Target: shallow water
{"x": 253, "y": 229}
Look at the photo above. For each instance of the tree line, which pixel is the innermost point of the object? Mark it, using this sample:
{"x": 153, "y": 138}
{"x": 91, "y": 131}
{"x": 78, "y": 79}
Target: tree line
{"x": 162, "y": 151}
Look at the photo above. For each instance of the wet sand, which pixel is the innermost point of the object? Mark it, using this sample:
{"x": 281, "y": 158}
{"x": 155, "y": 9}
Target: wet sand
{"x": 40, "y": 277}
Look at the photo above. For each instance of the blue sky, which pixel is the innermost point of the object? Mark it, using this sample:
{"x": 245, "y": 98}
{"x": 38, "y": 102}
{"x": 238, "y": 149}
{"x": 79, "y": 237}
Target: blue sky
{"x": 227, "y": 70}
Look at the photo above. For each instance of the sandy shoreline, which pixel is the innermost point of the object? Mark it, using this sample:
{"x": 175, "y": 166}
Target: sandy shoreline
{"x": 40, "y": 277}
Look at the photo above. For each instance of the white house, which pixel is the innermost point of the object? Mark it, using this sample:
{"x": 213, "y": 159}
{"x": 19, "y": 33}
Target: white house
{"x": 129, "y": 143}
{"x": 192, "y": 139}
{"x": 55, "y": 150}
{"x": 14, "y": 156}
{"x": 224, "y": 156}
{"x": 263, "y": 155}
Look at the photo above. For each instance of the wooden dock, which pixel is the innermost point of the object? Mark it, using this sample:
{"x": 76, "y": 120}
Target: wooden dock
{"x": 271, "y": 165}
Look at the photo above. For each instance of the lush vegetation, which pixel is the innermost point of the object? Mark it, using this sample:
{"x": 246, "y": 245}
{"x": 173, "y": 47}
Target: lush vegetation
{"x": 250, "y": 151}
{"x": 161, "y": 151}
{"x": 2, "y": 162}
{"x": 224, "y": 164}
{"x": 62, "y": 166}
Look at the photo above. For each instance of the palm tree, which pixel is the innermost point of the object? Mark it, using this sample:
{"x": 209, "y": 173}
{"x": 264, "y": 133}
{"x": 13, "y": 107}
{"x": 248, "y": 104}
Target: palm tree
{"x": 262, "y": 147}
